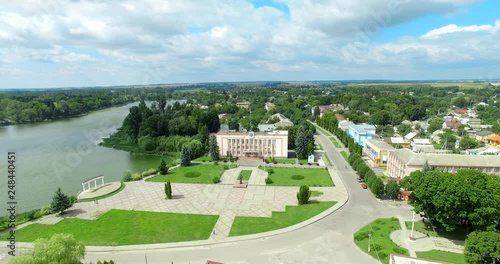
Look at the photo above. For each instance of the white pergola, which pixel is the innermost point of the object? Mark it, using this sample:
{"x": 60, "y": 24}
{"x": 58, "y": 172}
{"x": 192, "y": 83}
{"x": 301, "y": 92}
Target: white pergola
{"x": 87, "y": 184}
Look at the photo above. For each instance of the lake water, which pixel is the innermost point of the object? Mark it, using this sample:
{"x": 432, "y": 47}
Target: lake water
{"x": 64, "y": 154}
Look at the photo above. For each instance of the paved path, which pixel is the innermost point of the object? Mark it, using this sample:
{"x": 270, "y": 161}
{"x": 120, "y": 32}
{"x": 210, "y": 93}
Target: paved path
{"x": 329, "y": 240}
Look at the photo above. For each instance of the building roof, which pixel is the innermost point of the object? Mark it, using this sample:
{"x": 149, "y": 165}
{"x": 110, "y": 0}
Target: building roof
{"x": 483, "y": 150}
{"x": 398, "y": 140}
{"x": 266, "y": 127}
{"x": 422, "y": 141}
{"x": 275, "y": 132}
{"x": 453, "y": 123}
{"x": 330, "y": 108}
{"x": 363, "y": 128}
{"x": 243, "y": 103}
{"x": 380, "y": 145}
{"x": 484, "y": 133}
{"x": 460, "y": 110}
{"x": 424, "y": 148}
{"x": 411, "y": 158}
{"x": 410, "y": 135}
{"x": 284, "y": 121}
{"x": 496, "y": 139}
{"x": 339, "y": 117}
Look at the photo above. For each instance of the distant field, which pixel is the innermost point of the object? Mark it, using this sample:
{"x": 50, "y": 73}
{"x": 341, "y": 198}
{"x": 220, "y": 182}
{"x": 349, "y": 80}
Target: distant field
{"x": 461, "y": 85}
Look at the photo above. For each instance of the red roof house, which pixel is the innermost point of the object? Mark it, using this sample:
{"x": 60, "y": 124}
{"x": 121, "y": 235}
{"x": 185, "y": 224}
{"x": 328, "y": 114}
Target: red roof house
{"x": 460, "y": 111}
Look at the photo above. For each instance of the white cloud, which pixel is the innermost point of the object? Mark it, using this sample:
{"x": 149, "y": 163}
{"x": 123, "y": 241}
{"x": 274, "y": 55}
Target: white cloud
{"x": 435, "y": 33}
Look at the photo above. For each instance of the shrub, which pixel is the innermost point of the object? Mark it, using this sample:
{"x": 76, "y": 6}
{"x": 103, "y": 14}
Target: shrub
{"x": 127, "y": 176}
{"x": 192, "y": 174}
{"x": 136, "y": 176}
{"x": 360, "y": 236}
{"x": 226, "y": 167}
{"x": 72, "y": 201}
{"x": 382, "y": 255}
{"x": 216, "y": 163}
{"x": 309, "y": 163}
{"x": 163, "y": 168}
{"x": 216, "y": 179}
{"x": 304, "y": 194}
{"x": 399, "y": 250}
{"x": 44, "y": 211}
{"x": 168, "y": 190}
{"x": 376, "y": 247}
{"x": 297, "y": 177}
{"x": 275, "y": 162}
{"x": 270, "y": 171}
{"x": 269, "y": 181}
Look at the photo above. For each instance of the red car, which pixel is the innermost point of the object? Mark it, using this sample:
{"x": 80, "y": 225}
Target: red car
{"x": 363, "y": 185}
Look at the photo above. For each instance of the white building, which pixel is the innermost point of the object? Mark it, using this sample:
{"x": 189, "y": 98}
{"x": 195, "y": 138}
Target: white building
{"x": 253, "y": 144}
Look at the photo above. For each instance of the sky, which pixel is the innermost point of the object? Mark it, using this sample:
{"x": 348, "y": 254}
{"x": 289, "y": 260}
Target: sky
{"x": 79, "y": 43}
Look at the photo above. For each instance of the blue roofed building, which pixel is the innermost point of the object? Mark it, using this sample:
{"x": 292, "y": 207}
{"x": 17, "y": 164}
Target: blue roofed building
{"x": 360, "y": 133}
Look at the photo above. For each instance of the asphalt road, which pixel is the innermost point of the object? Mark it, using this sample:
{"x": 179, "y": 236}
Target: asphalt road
{"x": 329, "y": 240}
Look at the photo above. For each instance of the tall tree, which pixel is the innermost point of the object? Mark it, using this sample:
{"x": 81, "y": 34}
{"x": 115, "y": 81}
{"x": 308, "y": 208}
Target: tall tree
{"x": 168, "y": 190}
{"x": 162, "y": 103}
{"x": 60, "y": 202}
{"x": 214, "y": 148}
{"x": 482, "y": 247}
{"x": 59, "y": 249}
{"x": 377, "y": 187}
{"x": 392, "y": 189}
{"x": 303, "y": 142}
{"x": 163, "y": 169}
{"x": 185, "y": 156}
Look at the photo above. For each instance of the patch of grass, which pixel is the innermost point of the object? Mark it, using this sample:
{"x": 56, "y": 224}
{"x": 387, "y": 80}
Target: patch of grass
{"x": 297, "y": 177}
{"x": 344, "y": 154}
{"x": 312, "y": 177}
{"x": 293, "y": 215}
{"x": 135, "y": 227}
{"x": 322, "y": 130}
{"x": 428, "y": 229}
{"x": 285, "y": 161}
{"x": 305, "y": 162}
{"x": 381, "y": 242}
{"x": 335, "y": 142}
{"x": 192, "y": 174}
{"x": 246, "y": 174}
{"x": 444, "y": 256}
{"x": 104, "y": 196}
{"x": 316, "y": 193}
{"x": 327, "y": 159}
{"x": 207, "y": 173}
{"x": 203, "y": 158}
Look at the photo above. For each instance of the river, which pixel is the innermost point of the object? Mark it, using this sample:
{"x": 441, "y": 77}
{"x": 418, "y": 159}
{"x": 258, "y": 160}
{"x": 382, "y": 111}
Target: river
{"x": 64, "y": 154}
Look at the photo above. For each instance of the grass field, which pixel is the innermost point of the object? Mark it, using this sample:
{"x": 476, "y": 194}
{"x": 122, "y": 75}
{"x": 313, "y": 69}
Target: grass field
{"x": 327, "y": 159}
{"x": 120, "y": 227}
{"x": 444, "y": 256}
{"x": 284, "y": 161}
{"x": 426, "y": 228}
{"x": 246, "y": 174}
{"x": 312, "y": 177}
{"x": 381, "y": 242}
{"x": 207, "y": 173}
{"x": 293, "y": 215}
{"x": 203, "y": 158}
{"x": 344, "y": 154}
{"x": 335, "y": 142}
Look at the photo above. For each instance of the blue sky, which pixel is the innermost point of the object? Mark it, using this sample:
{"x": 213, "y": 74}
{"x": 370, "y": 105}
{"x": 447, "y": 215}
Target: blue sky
{"x": 122, "y": 42}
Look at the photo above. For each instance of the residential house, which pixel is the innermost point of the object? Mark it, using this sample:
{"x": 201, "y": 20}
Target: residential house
{"x": 495, "y": 141}
{"x": 410, "y": 136}
{"x": 422, "y": 145}
{"x": 283, "y": 120}
{"x": 402, "y": 162}
{"x": 460, "y": 111}
{"x": 397, "y": 142}
{"x": 453, "y": 124}
{"x": 339, "y": 117}
{"x": 360, "y": 133}
{"x": 483, "y": 151}
{"x": 269, "y": 106}
{"x": 377, "y": 151}
{"x": 243, "y": 104}
{"x": 484, "y": 135}
{"x": 328, "y": 108}
{"x": 344, "y": 124}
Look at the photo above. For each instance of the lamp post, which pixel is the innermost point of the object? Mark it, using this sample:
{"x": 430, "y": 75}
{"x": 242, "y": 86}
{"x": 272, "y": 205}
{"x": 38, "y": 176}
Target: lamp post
{"x": 412, "y": 237}
{"x": 369, "y": 240}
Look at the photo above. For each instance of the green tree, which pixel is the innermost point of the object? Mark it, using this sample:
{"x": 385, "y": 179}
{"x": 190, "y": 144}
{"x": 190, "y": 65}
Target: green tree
{"x": 426, "y": 167}
{"x": 435, "y": 124}
{"x": 163, "y": 168}
{"x": 468, "y": 143}
{"x": 127, "y": 176}
{"x": 303, "y": 142}
{"x": 214, "y": 148}
{"x": 185, "y": 156}
{"x": 482, "y": 247}
{"x": 304, "y": 194}
{"x": 404, "y": 129}
{"x": 60, "y": 202}
{"x": 168, "y": 190}
{"x": 59, "y": 249}
{"x": 392, "y": 189}
{"x": 377, "y": 187}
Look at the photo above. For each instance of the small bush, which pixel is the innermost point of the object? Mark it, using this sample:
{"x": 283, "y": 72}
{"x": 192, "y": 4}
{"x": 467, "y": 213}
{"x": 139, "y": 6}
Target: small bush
{"x": 269, "y": 181}
{"x": 226, "y": 167}
{"x": 203, "y": 161}
{"x": 303, "y": 195}
{"x": 360, "y": 236}
{"x": 136, "y": 176}
{"x": 216, "y": 179}
{"x": 375, "y": 227}
{"x": 192, "y": 174}
{"x": 270, "y": 171}
{"x": 297, "y": 177}
{"x": 44, "y": 211}
{"x": 275, "y": 162}
{"x": 72, "y": 199}
{"x": 216, "y": 163}
{"x": 376, "y": 247}
{"x": 382, "y": 255}
{"x": 399, "y": 250}
{"x": 127, "y": 176}
{"x": 309, "y": 163}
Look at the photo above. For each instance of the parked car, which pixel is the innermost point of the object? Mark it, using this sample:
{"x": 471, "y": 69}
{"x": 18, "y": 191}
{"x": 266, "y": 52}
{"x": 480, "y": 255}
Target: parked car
{"x": 363, "y": 185}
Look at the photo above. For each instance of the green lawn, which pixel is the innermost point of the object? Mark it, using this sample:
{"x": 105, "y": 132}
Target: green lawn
{"x": 284, "y": 161}
{"x": 327, "y": 159}
{"x": 335, "y": 142}
{"x": 312, "y": 177}
{"x": 203, "y": 158}
{"x": 381, "y": 242}
{"x": 293, "y": 215}
{"x": 444, "y": 256}
{"x": 323, "y": 130}
{"x": 426, "y": 228}
{"x": 305, "y": 162}
{"x": 206, "y": 171}
{"x": 344, "y": 154}
{"x": 246, "y": 174}
{"x": 120, "y": 227}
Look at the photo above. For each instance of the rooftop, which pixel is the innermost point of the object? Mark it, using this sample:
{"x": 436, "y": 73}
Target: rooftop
{"x": 381, "y": 145}
{"x": 422, "y": 141}
{"x": 275, "y": 132}
{"x": 484, "y": 133}
{"x": 411, "y": 158}
{"x": 363, "y": 128}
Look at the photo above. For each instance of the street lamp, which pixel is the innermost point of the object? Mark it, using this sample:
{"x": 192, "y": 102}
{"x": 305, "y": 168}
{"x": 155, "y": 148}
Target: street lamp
{"x": 369, "y": 240}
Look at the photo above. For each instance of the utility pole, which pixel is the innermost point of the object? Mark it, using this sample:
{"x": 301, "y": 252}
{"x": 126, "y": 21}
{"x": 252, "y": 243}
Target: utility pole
{"x": 412, "y": 237}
